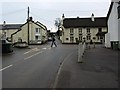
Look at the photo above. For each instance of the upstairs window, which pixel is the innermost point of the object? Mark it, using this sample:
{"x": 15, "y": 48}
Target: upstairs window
{"x": 88, "y": 30}
{"x": 37, "y": 30}
{"x": 80, "y": 30}
{"x": 71, "y": 30}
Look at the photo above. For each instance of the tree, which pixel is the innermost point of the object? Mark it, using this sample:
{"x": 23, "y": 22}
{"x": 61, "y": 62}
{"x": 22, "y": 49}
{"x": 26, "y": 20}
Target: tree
{"x": 58, "y": 24}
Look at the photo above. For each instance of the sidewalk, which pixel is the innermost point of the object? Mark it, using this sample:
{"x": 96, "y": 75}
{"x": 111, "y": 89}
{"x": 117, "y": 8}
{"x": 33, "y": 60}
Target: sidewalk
{"x": 99, "y": 70}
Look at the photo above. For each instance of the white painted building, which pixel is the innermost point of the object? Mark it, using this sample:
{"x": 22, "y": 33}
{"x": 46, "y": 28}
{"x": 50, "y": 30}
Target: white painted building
{"x": 36, "y": 34}
{"x": 83, "y": 29}
{"x": 113, "y": 36}
{"x": 7, "y": 30}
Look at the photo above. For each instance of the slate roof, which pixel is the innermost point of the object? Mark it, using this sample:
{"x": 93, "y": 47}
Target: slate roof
{"x": 10, "y": 26}
{"x": 84, "y": 22}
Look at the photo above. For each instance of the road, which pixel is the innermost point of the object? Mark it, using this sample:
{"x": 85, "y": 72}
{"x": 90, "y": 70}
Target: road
{"x": 34, "y": 67}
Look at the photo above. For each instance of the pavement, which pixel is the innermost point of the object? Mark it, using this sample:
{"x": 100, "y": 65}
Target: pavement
{"x": 98, "y": 70}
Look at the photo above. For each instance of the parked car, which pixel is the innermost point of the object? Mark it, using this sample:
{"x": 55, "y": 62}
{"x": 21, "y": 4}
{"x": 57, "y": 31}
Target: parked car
{"x": 21, "y": 44}
{"x": 6, "y": 46}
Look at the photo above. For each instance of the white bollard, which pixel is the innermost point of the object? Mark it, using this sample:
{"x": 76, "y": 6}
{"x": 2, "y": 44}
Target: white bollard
{"x": 80, "y": 51}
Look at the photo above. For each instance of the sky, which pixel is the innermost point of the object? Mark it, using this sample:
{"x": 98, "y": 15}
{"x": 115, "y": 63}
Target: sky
{"x": 46, "y": 11}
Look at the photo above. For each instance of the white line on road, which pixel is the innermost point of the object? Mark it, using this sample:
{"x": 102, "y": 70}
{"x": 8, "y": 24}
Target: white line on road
{"x": 59, "y": 70}
{"x": 30, "y": 50}
{"x": 44, "y": 48}
{"x": 5, "y": 68}
{"x": 32, "y": 55}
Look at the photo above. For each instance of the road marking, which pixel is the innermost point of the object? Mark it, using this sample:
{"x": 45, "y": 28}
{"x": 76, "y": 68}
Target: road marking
{"x": 6, "y": 67}
{"x": 34, "y": 49}
{"x": 32, "y": 55}
{"x": 44, "y": 48}
{"x": 59, "y": 70}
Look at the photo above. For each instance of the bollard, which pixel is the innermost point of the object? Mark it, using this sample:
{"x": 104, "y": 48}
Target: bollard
{"x": 80, "y": 51}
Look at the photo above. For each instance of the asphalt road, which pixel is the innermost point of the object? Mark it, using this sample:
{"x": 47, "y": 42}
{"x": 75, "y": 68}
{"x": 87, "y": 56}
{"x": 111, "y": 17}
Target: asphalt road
{"x": 34, "y": 67}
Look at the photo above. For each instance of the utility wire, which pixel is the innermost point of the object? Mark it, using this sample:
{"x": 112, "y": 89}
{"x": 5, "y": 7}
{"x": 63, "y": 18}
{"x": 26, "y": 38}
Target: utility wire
{"x": 14, "y": 12}
{"x": 55, "y": 10}
{"x": 40, "y": 17}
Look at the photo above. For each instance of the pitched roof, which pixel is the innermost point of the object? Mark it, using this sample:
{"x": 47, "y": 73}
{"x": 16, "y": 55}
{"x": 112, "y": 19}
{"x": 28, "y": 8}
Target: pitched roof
{"x": 10, "y": 26}
{"x": 84, "y": 22}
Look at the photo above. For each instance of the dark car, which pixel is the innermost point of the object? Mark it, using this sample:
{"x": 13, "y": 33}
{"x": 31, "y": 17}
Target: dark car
{"x": 6, "y": 47}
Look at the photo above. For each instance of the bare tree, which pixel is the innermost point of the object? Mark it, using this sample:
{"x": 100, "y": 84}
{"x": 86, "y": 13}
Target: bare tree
{"x": 58, "y": 24}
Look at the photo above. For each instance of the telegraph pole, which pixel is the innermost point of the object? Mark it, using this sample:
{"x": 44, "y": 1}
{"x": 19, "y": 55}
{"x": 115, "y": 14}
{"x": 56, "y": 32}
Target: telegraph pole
{"x": 28, "y": 25}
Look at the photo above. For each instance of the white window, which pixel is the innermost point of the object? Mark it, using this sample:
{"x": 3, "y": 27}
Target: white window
{"x": 80, "y": 38}
{"x": 71, "y": 30}
{"x": 37, "y": 30}
{"x": 71, "y": 39}
{"x": 88, "y": 37}
{"x": 88, "y": 30}
{"x": 80, "y": 30}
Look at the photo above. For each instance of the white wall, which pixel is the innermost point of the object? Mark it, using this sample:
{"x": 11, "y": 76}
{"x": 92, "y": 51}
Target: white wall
{"x": 93, "y": 32}
{"x": 119, "y": 31}
{"x": 113, "y": 23}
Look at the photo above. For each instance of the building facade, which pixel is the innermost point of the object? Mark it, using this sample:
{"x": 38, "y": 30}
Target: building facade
{"x": 7, "y": 30}
{"x": 76, "y": 30}
{"x": 36, "y": 34}
{"x": 112, "y": 38}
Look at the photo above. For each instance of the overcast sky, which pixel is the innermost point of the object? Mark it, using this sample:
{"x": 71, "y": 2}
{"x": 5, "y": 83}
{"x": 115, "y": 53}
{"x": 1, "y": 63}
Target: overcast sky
{"x": 46, "y": 11}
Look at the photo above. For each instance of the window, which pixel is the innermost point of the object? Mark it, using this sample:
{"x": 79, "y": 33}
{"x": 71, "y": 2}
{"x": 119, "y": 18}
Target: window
{"x": 71, "y": 39}
{"x": 37, "y": 30}
{"x": 71, "y": 30}
{"x": 80, "y": 38}
{"x": 80, "y": 30}
{"x": 88, "y": 30}
{"x": 89, "y": 37}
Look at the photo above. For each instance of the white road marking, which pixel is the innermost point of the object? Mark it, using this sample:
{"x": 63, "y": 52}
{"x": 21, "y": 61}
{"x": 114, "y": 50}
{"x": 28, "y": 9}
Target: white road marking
{"x": 44, "y": 48}
{"x": 60, "y": 69}
{"x": 32, "y": 55}
{"x": 34, "y": 49}
{"x": 6, "y": 67}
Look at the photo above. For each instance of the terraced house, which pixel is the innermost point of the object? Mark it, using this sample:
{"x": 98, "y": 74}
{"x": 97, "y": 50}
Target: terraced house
{"x": 32, "y": 33}
{"x": 7, "y": 29}
{"x": 83, "y": 29}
